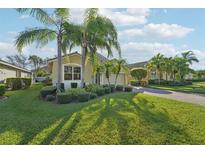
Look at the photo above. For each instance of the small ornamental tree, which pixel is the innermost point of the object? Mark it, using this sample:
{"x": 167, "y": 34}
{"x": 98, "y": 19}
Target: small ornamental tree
{"x": 138, "y": 73}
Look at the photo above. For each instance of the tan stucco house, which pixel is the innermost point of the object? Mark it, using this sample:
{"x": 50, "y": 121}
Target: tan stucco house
{"x": 72, "y": 71}
{"x": 8, "y": 70}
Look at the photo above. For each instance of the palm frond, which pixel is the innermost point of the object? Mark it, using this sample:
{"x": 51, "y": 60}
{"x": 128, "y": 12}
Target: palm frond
{"x": 40, "y": 14}
{"x": 39, "y": 35}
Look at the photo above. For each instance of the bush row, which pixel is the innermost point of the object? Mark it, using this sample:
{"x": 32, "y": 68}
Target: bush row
{"x": 138, "y": 83}
{"x": 170, "y": 83}
{"x": 78, "y": 94}
{"x": 2, "y": 89}
{"x": 18, "y": 83}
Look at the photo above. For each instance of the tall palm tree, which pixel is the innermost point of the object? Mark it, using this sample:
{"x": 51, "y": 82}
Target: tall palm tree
{"x": 119, "y": 65}
{"x": 54, "y": 30}
{"x": 157, "y": 62}
{"x": 36, "y": 61}
{"x": 190, "y": 56}
{"x": 167, "y": 67}
{"x": 96, "y": 32}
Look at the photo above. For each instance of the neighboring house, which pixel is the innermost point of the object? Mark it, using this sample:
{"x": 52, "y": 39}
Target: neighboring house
{"x": 72, "y": 71}
{"x": 152, "y": 75}
{"x": 8, "y": 70}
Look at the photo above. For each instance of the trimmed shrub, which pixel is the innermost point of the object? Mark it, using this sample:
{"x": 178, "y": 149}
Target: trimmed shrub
{"x": 49, "y": 90}
{"x": 27, "y": 82}
{"x": 105, "y": 85}
{"x": 119, "y": 88}
{"x": 75, "y": 92}
{"x": 83, "y": 97}
{"x": 93, "y": 95}
{"x": 134, "y": 83}
{"x": 107, "y": 90}
{"x": 47, "y": 82}
{"x": 18, "y": 83}
{"x": 2, "y": 89}
{"x": 74, "y": 85}
{"x": 14, "y": 83}
{"x": 128, "y": 89}
{"x": 64, "y": 98}
{"x": 50, "y": 98}
{"x": 95, "y": 88}
{"x": 112, "y": 87}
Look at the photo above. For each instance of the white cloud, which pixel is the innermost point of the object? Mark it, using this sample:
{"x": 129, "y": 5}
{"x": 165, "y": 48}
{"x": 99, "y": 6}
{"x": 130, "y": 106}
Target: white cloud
{"x": 24, "y": 17}
{"x": 142, "y": 51}
{"x": 7, "y": 49}
{"x": 162, "y": 30}
{"x": 125, "y": 17}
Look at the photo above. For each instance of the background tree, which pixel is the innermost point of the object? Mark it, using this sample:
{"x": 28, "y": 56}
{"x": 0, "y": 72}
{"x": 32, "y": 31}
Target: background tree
{"x": 54, "y": 30}
{"x": 119, "y": 65}
{"x": 157, "y": 62}
{"x": 36, "y": 62}
{"x": 108, "y": 67}
{"x": 190, "y": 57}
{"x": 18, "y": 60}
{"x": 138, "y": 73}
{"x": 167, "y": 67}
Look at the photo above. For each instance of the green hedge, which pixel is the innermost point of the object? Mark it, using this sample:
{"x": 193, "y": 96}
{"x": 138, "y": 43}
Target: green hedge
{"x": 83, "y": 97}
{"x": 170, "y": 83}
{"x": 49, "y": 90}
{"x": 107, "y": 90}
{"x": 134, "y": 83}
{"x": 64, "y": 98}
{"x": 119, "y": 88}
{"x": 128, "y": 89}
{"x": 75, "y": 92}
{"x": 95, "y": 88}
{"x": 2, "y": 89}
{"x": 18, "y": 83}
{"x": 93, "y": 95}
{"x": 50, "y": 98}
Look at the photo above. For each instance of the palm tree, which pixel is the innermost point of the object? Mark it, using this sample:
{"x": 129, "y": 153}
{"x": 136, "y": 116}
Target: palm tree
{"x": 96, "y": 32}
{"x": 157, "y": 62}
{"x": 167, "y": 67}
{"x": 108, "y": 67}
{"x": 54, "y": 30}
{"x": 119, "y": 64}
{"x": 190, "y": 57}
{"x": 36, "y": 62}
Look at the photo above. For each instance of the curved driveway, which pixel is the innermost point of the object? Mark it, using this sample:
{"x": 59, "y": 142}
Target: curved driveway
{"x": 185, "y": 97}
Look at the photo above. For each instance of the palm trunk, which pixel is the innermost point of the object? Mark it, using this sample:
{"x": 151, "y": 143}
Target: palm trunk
{"x": 59, "y": 77}
{"x": 116, "y": 79}
{"x": 83, "y": 66}
{"x": 166, "y": 75}
{"x": 158, "y": 74}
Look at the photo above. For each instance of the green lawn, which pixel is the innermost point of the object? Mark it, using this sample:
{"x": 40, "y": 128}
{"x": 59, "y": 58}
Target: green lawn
{"x": 121, "y": 118}
{"x": 196, "y": 87}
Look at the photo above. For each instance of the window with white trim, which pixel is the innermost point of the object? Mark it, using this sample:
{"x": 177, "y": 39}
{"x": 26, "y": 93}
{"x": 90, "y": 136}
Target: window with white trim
{"x": 72, "y": 73}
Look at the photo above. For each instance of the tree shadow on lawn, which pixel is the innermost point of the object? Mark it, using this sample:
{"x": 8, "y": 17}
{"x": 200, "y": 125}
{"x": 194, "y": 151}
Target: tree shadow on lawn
{"x": 157, "y": 121}
{"x": 160, "y": 122}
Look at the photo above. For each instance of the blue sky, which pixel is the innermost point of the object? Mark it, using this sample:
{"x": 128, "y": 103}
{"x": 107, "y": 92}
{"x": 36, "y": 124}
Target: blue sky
{"x": 142, "y": 32}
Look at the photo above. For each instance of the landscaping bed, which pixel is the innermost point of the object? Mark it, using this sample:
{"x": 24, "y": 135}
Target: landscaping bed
{"x": 90, "y": 91}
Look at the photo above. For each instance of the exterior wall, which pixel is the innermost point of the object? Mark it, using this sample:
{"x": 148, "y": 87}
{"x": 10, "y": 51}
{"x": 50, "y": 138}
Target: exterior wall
{"x": 9, "y": 72}
{"x": 122, "y": 79}
{"x": 75, "y": 60}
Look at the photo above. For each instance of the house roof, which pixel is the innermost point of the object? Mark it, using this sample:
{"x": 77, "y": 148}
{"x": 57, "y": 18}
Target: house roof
{"x": 13, "y": 66}
{"x": 101, "y": 57}
{"x": 138, "y": 64}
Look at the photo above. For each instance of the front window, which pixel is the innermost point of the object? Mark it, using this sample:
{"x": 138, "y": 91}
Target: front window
{"x": 72, "y": 73}
{"x": 77, "y": 73}
{"x": 67, "y": 73}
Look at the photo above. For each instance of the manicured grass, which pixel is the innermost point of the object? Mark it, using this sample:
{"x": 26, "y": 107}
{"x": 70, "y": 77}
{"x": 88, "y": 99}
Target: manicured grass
{"x": 120, "y": 118}
{"x": 196, "y": 87}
